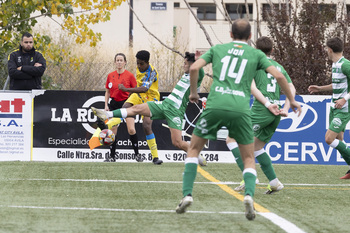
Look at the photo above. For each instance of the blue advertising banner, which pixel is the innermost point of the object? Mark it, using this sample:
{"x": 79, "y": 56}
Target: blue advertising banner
{"x": 301, "y": 140}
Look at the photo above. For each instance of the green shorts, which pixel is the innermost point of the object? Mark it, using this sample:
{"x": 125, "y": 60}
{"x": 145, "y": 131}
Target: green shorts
{"x": 264, "y": 124}
{"x": 160, "y": 111}
{"x": 238, "y": 124}
{"x": 338, "y": 120}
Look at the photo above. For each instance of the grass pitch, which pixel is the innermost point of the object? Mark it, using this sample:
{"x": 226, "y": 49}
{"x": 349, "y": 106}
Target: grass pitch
{"x": 141, "y": 197}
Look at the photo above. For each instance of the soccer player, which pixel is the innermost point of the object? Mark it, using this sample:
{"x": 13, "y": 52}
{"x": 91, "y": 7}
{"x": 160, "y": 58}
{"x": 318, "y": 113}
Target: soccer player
{"x": 264, "y": 122}
{"x": 146, "y": 90}
{"x": 339, "y": 114}
{"x": 234, "y": 66}
{"x": 172, "y": 109}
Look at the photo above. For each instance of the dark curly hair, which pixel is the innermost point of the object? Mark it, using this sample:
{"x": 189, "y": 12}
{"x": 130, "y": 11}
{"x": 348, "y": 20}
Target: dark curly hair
{"x": 143, "y": 55}
{"x": 190, "y": 57}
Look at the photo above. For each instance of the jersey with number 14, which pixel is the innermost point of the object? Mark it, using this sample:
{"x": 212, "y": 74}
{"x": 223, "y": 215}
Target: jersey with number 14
{"x": 234, "y": 66}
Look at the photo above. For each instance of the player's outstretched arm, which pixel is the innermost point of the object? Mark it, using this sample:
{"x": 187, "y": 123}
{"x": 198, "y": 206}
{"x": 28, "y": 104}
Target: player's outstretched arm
{"x": 194, "y": 71}
{"x": 141, "y": 89}
{"x": 314, "y": 88}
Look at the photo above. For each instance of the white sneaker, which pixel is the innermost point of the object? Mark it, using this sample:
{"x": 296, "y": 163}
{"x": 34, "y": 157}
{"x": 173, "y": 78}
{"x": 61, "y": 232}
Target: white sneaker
{"x": 100, "y": 113}
{"x": 241, "y": 186}
{"x": 249, "y": 207}
{"x": 202, "y": 161}
{"x": 185, "y": 202}
{"x": 273, "y": 189}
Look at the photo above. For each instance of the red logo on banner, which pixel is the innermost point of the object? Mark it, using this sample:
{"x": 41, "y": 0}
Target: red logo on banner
{"x": 17, "y": 104}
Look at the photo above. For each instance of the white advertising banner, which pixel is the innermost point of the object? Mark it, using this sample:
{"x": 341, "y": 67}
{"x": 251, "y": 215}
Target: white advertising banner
{"x": 15, "y": 126}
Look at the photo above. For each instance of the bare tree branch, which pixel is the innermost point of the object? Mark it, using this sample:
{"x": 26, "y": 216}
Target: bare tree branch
{"x": 258, "y": 19}
{"x": 226, "y": 13}
{"x": 247, "y": 9}
{"x": 175, "y": 51}
{"x": 20, "y": 21}
{"x": 215, "y": 34}
{"x": 218, "y": 7}
{"x": 200, "y": 24}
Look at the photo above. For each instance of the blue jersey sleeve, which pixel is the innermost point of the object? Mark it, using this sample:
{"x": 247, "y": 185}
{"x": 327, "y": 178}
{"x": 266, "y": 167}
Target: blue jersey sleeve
{"x": 149, "y": 78}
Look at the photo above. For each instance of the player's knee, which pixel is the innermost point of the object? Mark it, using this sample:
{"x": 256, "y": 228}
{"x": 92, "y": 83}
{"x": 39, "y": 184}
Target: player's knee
{"x": 131, "y": 131}
{"x": 177, "y": 143}
{"x": 147, "y": 128}
{"x": 329, "y": 140}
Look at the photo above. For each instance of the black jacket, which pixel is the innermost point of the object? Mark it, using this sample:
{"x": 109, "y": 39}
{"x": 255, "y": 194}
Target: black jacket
{"x": 30, "y": 76}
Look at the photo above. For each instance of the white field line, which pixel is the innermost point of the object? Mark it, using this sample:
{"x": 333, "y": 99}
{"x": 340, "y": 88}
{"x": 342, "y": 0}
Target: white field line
{"x": 115, "y": 210}
{"x": 282, "y": 223}
{"x": 279, "y": 221}
{"x": 167, "y": 182}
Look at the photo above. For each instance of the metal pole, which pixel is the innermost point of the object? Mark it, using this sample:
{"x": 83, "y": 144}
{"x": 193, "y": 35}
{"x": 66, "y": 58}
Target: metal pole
{"x": 131, "y": 24}
{"x": 6, "y": 83}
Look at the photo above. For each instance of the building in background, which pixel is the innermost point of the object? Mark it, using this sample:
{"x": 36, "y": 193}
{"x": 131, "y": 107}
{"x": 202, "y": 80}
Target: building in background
{"x": 172, "y": 22}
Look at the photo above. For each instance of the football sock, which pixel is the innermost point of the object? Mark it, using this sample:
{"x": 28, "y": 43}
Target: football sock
{"x": 134, "y": 143}
{"x": 101, "y": 124}
{"x": 120, "y": 113}
{"x": 265, "y": 164}
{"x": 233, "y": 147}
{"x": 113, "y": 147}
{"x": 249, "y": 177}
{"x": 189, "y": 175}
{"x": 151, "y": 141}
{"x": 343, "y": 149}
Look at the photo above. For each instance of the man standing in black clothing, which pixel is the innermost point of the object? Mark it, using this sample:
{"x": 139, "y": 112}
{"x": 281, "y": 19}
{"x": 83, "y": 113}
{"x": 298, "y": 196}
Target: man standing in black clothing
{"x": 26, "y": 66}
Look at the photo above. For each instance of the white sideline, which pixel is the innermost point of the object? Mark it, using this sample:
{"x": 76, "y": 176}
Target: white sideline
{"x": 279, "y": 221}
{"x": 171, "y": 182}
{"x": 282, "y": 223}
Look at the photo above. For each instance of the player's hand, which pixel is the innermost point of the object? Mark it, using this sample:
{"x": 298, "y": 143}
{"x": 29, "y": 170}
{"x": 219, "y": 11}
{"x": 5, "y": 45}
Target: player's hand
{"x": 121, "y": 87}
{"x": 313, "y": 89}
{"x": 284, "y": 112}
{"x": 194, "y": 97}
{"x": 339, "y": 103}
{"x": 38, "y": 64}
{"x": 295, "y": 107}
{"x": 274, "y": 109}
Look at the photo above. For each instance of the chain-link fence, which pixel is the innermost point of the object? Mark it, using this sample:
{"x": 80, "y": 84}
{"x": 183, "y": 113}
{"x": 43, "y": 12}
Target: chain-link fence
{"x": 92, "y": 76}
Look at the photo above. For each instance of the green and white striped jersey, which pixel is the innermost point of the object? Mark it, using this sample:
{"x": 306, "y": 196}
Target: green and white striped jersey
{"x": 179, "y": 97}
{"x": 341, "y": 81}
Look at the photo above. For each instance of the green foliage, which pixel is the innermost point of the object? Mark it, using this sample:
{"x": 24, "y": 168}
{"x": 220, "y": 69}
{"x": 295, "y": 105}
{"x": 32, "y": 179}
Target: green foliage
{"x": 48, "y": 83}
{"x": 18, "y": 16}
